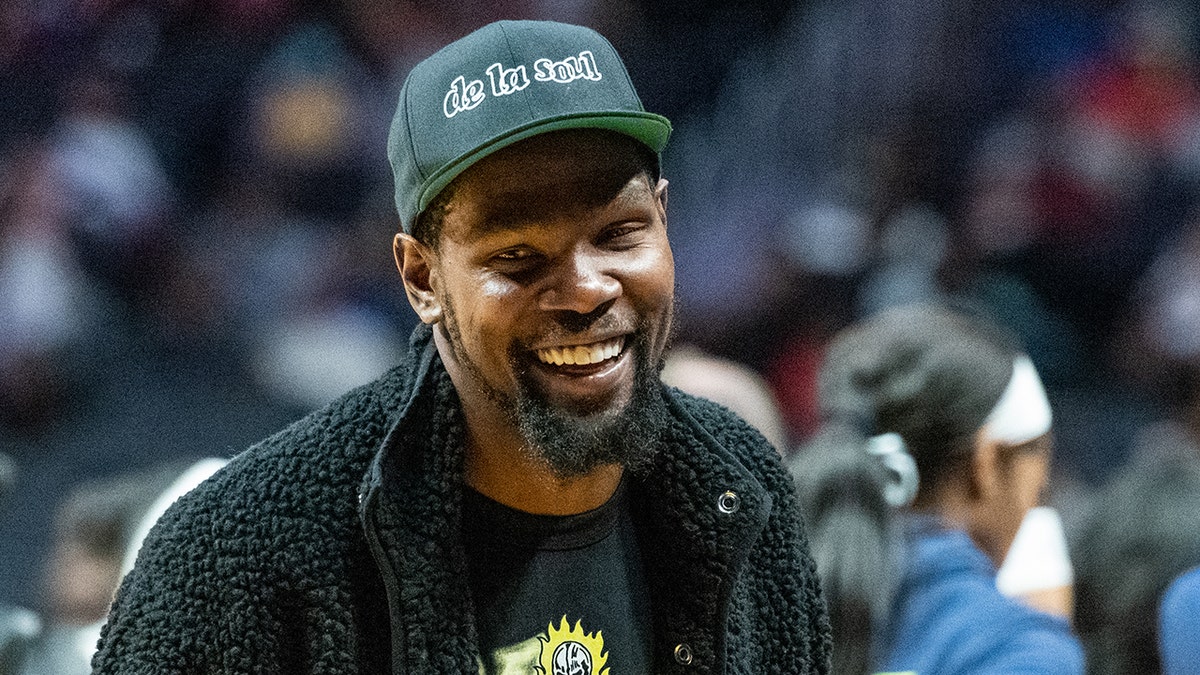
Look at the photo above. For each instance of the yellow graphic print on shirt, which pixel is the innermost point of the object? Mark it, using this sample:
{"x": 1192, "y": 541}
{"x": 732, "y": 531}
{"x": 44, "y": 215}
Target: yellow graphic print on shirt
{"x": 558, "y": 651}
{"x": 570, "y": 651}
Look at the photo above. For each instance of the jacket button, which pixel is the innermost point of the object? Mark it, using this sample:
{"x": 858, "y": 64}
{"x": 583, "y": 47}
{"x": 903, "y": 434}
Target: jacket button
{"x": 728, "y": 502}
{"x": 683, "y": 654}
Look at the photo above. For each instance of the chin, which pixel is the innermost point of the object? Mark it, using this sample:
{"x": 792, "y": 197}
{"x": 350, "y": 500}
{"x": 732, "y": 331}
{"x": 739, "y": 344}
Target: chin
{"x": 596, "y": 410}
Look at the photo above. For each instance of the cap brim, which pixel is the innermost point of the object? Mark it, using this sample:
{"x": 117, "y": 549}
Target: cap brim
{"x": 651, "y": 129}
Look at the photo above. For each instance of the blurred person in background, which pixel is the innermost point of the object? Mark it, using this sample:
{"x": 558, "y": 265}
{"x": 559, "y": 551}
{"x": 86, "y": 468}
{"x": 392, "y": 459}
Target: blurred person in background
{"x": 1179, "y": 625}
{"x": 94, "y": 528}
{"x": 1140, "y": 530}
{"x": 46, "y": 304}
{"x": 729, "y": 383}
{"x": 113, "y": 186}
{"x": 1140, "y": 534}
{"x": 935, "y": 445}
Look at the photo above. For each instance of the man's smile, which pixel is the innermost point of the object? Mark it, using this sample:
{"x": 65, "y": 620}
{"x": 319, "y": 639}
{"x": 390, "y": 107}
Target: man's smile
{"x": 599, "y": 373}
{"x": 583, "y": 355}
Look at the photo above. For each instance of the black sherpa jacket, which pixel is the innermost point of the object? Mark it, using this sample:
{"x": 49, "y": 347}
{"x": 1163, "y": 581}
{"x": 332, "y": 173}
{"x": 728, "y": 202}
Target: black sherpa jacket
{"x": 333, "y": 547}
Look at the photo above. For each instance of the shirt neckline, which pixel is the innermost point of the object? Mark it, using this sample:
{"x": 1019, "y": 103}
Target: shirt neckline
{"x": 497, "y": 525}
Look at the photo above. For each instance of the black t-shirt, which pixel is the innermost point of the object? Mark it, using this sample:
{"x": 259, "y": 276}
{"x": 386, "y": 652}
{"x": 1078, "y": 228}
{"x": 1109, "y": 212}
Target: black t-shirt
{"x": 561, "y": 593}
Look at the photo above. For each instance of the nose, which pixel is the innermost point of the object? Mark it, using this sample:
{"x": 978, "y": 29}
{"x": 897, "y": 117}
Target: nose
{"x": 582, "y": 283}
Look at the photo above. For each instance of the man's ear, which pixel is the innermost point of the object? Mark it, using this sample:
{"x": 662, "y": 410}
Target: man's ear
{"x": 418, "y": 271}
{"x": 660, "y": 194}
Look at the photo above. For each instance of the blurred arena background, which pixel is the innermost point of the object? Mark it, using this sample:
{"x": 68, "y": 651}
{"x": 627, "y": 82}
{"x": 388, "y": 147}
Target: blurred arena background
{"x": 196, "y": 210}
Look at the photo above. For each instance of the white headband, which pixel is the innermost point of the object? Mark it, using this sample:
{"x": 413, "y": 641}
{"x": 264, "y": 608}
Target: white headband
{"x": 1022, "y": 413}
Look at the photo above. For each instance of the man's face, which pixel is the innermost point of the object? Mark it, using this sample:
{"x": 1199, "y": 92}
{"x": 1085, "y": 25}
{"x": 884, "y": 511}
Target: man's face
{"x": 553, "y": 284}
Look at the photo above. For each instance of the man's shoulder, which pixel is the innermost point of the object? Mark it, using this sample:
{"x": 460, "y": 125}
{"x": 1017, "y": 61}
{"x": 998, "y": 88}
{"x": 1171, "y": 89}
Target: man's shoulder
{"x": 727, "y": 428}
{"x": 743, "y": 443}
{"x": 309, "y": 466}
{"x": 345, "y": 428}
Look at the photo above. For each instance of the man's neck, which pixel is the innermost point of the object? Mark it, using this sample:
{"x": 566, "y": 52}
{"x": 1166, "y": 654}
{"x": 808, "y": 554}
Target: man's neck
{"x": 507, "y": 474}
{"x": 499, "y": 467}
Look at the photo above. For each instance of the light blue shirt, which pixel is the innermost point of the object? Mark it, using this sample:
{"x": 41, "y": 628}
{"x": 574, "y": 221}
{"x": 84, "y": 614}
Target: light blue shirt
{"x": 1179, "y": 634}
{"x": 949, "y": 619}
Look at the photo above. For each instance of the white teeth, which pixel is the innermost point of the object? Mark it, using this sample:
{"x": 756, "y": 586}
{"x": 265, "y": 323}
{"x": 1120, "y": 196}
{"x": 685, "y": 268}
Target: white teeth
{"x": 581, "y": 354}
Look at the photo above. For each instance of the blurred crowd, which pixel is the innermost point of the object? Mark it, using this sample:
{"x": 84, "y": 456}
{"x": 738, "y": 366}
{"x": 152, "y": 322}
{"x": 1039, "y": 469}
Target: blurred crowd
{"x": 195, "y": 217}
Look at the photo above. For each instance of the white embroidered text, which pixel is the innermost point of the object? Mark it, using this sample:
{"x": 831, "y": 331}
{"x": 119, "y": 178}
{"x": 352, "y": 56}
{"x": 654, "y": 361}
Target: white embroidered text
{"x": 464, "y": 95}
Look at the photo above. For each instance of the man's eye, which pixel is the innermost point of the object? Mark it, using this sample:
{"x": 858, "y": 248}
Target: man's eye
{"x": 515, "y": 259}
{"x": 514, "y": 255}
{"x": 618, "y": 233}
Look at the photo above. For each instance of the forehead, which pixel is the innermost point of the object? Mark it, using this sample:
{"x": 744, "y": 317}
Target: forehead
{"x": 555, "y": 175}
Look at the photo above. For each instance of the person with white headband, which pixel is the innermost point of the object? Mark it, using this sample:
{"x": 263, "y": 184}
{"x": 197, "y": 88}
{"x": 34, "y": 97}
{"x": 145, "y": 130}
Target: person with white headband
{"x": 935, "y": 447}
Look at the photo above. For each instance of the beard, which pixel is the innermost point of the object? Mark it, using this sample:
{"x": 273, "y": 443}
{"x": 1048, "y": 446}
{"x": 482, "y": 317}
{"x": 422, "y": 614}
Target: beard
{"x": 572, "y": 443}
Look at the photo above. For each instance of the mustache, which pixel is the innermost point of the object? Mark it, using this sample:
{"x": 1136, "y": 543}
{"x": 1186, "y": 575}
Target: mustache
{"x": 567, "y": 325}
{"x": 577, "y": 322}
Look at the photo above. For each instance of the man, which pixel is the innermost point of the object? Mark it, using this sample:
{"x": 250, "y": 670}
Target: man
{"x": 521, "y": 495}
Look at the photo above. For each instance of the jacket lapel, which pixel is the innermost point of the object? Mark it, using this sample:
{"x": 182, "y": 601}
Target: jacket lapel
{"x": 697, "y": 509}
{"x": 699, "y": 512}
{"x": 412, "y": 512}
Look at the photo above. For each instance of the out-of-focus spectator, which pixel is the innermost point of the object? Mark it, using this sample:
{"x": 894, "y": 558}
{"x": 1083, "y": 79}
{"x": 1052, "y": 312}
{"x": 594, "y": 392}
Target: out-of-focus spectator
{"x": 1169, "y": 305}
{"x": 93, "y": 530}
{"x": 45, "y": 302}
{"x": 912, "y": 248}
{"x": 1179, "y": 620}
{"x": 729, "y": 383}
{"x": 1140, "y": 535}
{"x": 305, "y": 128}
{"x": 114, "y": 188}
{"x": 935, "y": 446}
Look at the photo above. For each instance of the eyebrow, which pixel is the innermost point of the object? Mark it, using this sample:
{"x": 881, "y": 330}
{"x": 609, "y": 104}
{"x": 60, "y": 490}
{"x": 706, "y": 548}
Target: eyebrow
{"x": 512, "y": 212}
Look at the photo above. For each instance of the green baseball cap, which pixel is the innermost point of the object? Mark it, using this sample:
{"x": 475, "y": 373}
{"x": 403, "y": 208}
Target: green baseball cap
{"x": 501, "y": 84}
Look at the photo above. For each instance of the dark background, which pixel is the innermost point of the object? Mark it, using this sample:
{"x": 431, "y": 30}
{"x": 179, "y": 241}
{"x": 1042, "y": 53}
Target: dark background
{"x": 196, "y": 209}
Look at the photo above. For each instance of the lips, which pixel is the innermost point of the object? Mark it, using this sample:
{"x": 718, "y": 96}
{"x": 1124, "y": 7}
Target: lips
{"x": 583, "y": 378}
{"x": 582, "y": 355}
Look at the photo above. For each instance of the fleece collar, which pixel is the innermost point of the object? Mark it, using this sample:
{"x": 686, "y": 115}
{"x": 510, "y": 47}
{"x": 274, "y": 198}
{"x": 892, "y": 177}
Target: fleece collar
{"x": 698, "y": 512}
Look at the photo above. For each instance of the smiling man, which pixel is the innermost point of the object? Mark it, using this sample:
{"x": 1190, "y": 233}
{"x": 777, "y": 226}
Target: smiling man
{"x": 521, "y": 494}
{"x": 552, "y": 282}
